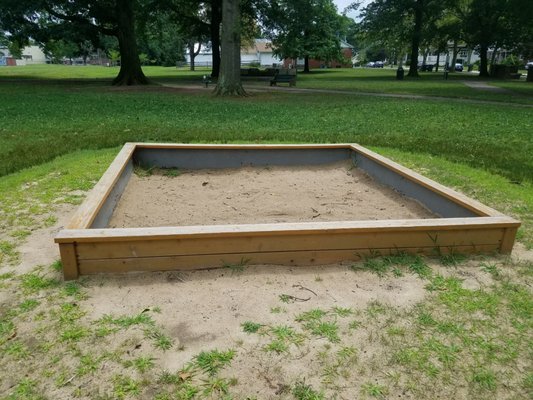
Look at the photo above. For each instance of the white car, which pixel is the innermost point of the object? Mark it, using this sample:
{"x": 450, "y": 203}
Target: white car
{"x": 529, "y": 65}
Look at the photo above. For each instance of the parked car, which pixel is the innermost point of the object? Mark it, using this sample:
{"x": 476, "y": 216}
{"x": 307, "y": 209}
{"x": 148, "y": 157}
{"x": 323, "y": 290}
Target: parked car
{"x": 459, "y": 67}
{"x": 529, "y": 65}
{"x": 375, "y": 64}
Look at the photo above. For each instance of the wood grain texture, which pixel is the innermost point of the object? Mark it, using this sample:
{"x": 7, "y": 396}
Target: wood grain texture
{"x": 305, "y": 258}
{"x": 302, "y": 242}
{"x": 408, "y": 225}
{"x": 87, "y": 212}
{"x": 69, "y": 260}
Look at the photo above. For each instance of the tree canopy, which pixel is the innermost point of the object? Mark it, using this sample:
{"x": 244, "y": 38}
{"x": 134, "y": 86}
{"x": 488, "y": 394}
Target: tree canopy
{"x": 303, "y": 29}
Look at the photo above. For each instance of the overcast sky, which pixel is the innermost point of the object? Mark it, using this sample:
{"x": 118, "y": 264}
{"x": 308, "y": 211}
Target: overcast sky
{"x": 342, "y": 4}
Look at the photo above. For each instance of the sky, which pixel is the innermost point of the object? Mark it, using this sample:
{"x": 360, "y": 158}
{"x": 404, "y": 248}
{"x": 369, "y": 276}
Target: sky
{"x": 342, "y": 4}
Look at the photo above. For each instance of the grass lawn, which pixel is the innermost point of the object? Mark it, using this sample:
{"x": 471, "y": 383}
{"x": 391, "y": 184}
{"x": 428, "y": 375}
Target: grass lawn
{"x": 403, "y": 327}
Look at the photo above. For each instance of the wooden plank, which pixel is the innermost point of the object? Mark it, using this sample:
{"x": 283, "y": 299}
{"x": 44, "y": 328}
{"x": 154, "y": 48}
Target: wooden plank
{"x": 308, "y": 258}
{"x": 253, "y": 244}
{"x": 408, "y": 225}
{"x": 69, "y": 261}
{"x": 444, "y": 191}
{"x": 508, "y": 240}
{"x": 86, "y": 213}
{"x": 241, "y": 146}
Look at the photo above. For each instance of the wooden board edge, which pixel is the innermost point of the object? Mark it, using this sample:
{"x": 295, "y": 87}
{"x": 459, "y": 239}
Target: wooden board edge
{"x": 457, "y": 197}
{"x": 120, "y": 234}
{"x": 200, "y": 146}
{"x": 88, "y": 210}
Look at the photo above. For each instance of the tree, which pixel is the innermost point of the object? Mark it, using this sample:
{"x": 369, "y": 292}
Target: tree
{"x": 385, "y": 24}
{"x": 303, "y": 29}
{"x": 37, "y": 19}
{"x": 229, "y": 81}
{"x": 495, "y": 23}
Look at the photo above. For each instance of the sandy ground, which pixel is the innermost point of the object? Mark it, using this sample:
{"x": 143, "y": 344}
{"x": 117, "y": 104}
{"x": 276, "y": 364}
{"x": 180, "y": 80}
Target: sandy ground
{"x": 203, "y": 310}
{"x": 260, "y": 195}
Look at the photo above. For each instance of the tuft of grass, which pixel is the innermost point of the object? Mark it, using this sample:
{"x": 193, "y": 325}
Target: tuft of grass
{"x": 374, "y": 390}
{"x": 159, "y": 339}
{"x": 302, "y": 391}
{"x": 171, "y": 172}
{"x": 8, "y": 253}
{"x": 141, "y": 364}
{"x": 239, "y": 267}
{"x": 28, "y": 305}
{"x": 211, "y": 362}
{"x": 128, "y": 321}
{"x": 124, "y": 386}
{"x": 485, "y": 379}
{"x": 34, "y": 282}
{"x": 250, "y": 327}
{"x": 25, "y": 389}
{"x": 383, "y": 265}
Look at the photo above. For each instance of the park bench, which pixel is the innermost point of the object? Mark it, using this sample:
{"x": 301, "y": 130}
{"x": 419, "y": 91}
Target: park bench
{"x": 206, "y": 80}
{"x": 284, "y": 76}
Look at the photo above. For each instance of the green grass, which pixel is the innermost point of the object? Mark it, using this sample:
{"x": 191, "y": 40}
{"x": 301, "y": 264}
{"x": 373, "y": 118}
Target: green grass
{"x": 93, "y": 115}
{"x": 458, "y": 342}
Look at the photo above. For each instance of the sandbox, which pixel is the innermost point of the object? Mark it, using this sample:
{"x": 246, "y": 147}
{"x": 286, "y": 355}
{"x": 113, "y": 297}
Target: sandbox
{"x": 208, "y": 206}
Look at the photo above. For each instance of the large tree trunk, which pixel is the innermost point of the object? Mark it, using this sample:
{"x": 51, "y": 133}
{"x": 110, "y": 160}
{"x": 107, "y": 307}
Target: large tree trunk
{"x": 130, "y": 66}
{"x": 193, "y": 53}
{"x": 229, "y": 82}
{"x": 438, "y": 61}
{"x": 216, "y": 19}
{"x": 415, "y": 41}
{"x": 455, "y": 51}
{"x": 483, "y": 64}
{"x": 306, "y": 64}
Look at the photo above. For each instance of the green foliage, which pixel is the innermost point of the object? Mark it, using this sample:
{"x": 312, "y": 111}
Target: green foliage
{"x": 250, "y": 327}
{"x": 302, "y": 391}
{"x": 303, "y": 29}
{"x": 211, "y": 362}
{"x": 35, "y": 282}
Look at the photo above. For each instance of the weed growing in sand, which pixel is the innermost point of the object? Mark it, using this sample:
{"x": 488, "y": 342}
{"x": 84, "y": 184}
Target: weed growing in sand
{"x": 485, "y": 379}
{"x": 57, "y": 266}
{"x": 452, "y": 259}
{"x": 34, "y": 282}
{"x": 278, "y": 310}
{"x": 17, "y": 350}
{"x": 342, "y": 312}
{"x": 25, "y": 389}
{"x": 384, "y": 265}
{"x": 29, "y": 305}
{"x": 211, "y": 362}
{"x": 491, "y": 269}
{"x": 141, "y": 364}
{"x": 374, "y": 390}
{"x": 124, "y": 386}
{"x": 171, "y": 172}
{"x": 302, "y": 391}
{"x": 159, "y": 339}
{"x": 250, "y": 327}
{"x": 143, "y": 171}
{"x": 283, "y": 337}
{"x": 239, "y": 267}
{"x": 8, "y": 253}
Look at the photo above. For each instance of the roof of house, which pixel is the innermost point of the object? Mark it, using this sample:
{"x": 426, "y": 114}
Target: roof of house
{"x": 263, "y": 46}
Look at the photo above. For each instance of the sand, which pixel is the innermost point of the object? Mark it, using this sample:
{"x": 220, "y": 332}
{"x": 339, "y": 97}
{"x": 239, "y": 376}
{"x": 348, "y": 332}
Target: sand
{"x": 251, "y": 195}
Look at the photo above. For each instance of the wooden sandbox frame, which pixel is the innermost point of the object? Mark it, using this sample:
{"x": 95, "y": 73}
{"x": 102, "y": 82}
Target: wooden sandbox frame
{"x": 87, "y": 246}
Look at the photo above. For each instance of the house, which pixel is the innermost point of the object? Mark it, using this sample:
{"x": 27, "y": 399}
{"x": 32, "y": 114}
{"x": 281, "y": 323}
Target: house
{"x": 259, "y": 53}
{"x": 30, "y": 55}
